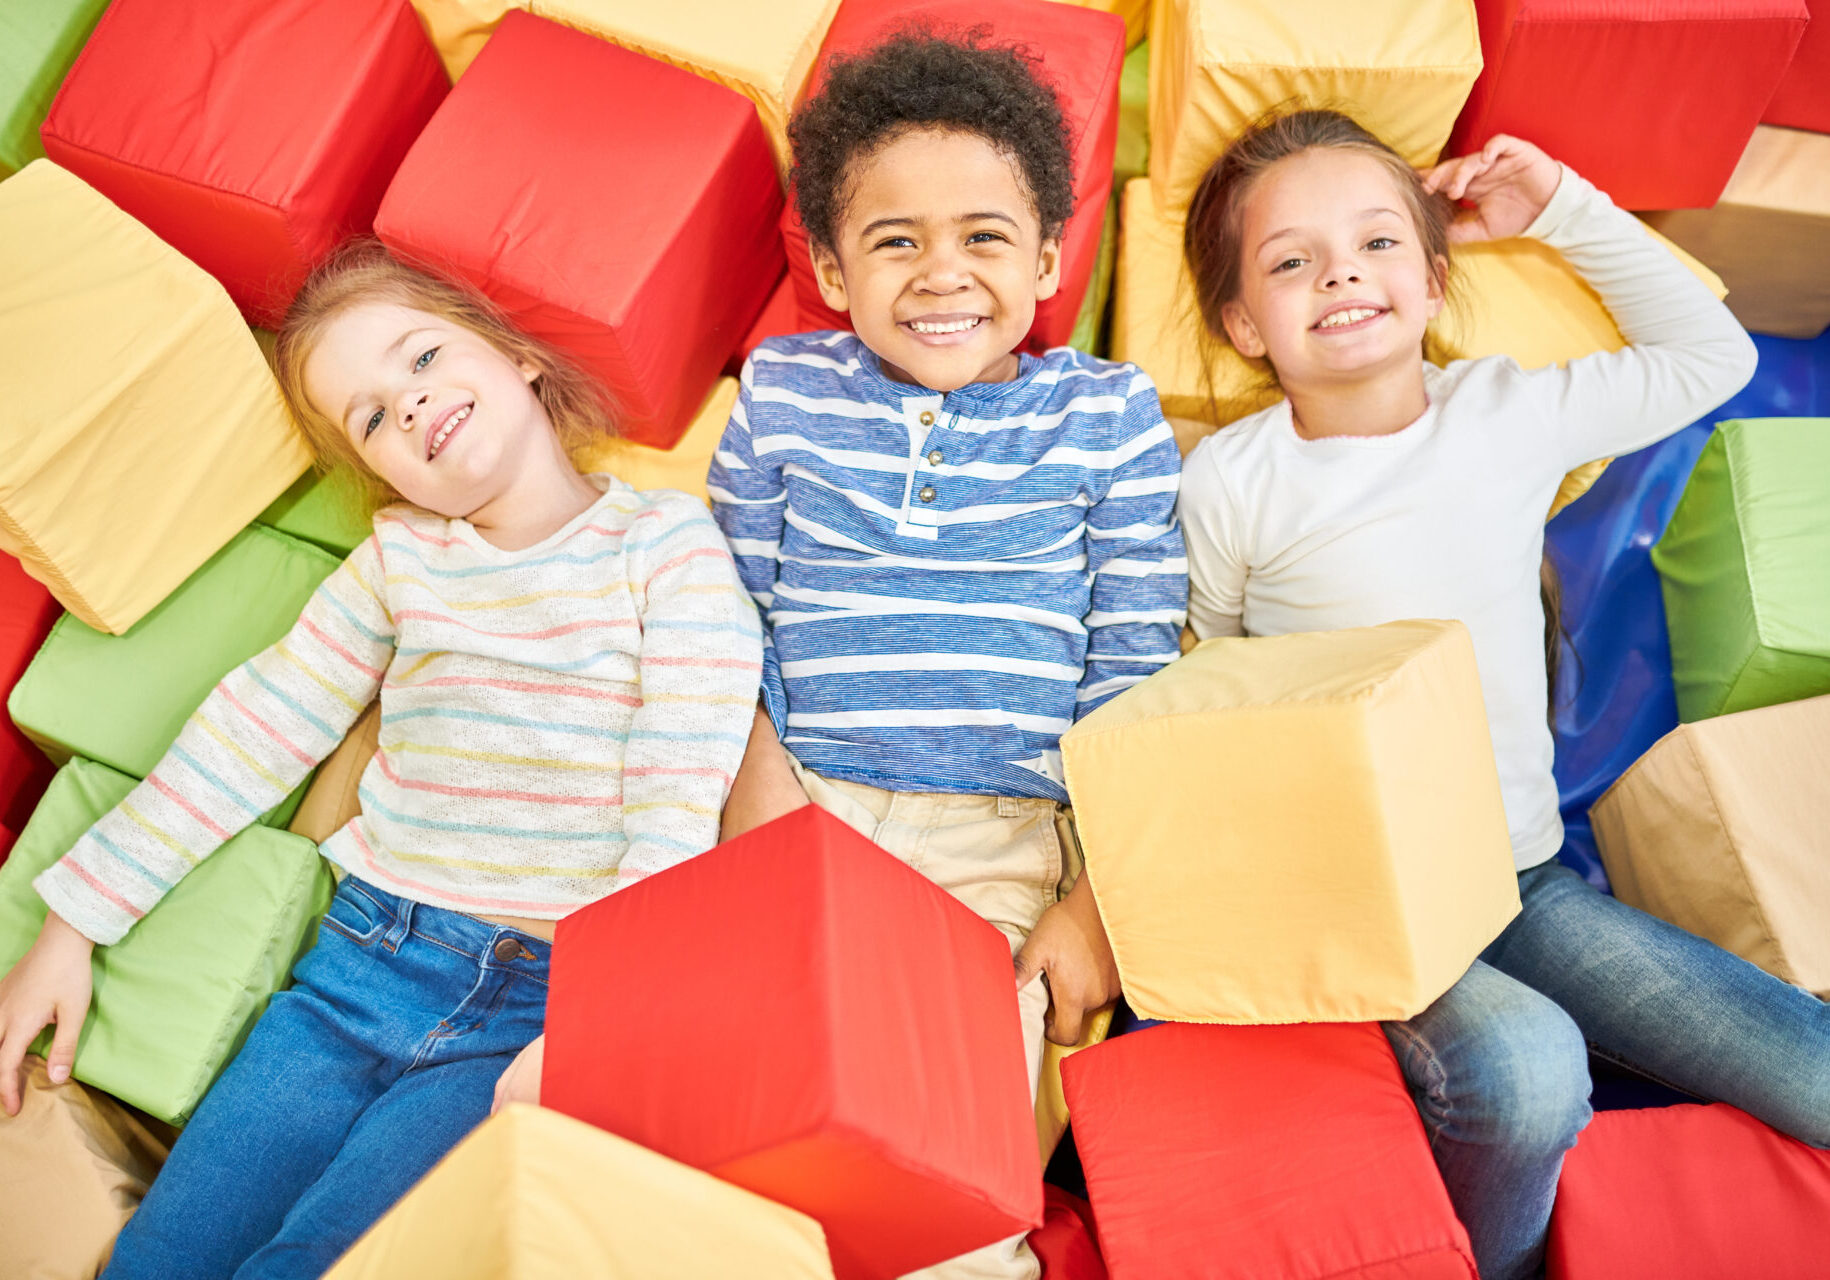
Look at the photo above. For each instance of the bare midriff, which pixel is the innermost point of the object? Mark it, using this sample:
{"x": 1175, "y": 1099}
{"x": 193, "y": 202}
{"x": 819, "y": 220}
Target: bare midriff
{"x": 538, "y": 928}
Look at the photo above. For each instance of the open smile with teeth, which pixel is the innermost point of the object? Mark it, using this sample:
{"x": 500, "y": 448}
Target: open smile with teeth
{"x": 945, "y": 326}
{"x": 451, "y": 423}
{"x": 1349, "y": 315}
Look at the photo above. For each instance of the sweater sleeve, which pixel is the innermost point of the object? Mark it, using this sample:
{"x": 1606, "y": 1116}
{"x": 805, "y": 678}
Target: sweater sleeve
{"x": 1686, "y": 353}
{"x": 1216, "y": 565}
{"x": 256, "y": 736}
{"x": 701, "y": 657}
{"x": 750, "y": 504}
{"x": 1135, "y": 554}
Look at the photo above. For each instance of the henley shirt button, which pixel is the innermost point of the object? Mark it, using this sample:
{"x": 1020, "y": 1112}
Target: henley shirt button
{"x": 934, "y": 456}
{"x": 507, "y": 949}
{"x": 927, "y": 493}
{"x": 927, "y": 417}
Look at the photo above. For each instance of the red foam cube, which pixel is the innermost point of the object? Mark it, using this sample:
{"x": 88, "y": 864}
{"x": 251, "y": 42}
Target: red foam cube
{"x": 27, "y": 611}
{"x": 803, "y": 1015}
{"x": 1083, "y": 54}
{"x": 1700, "y": 1191}
{"x": 619, "y": 207}
{"x": 1652, "y": 101}
{"x": 1274, "y": 1153}
{"x": 1802, "y": 100}
{"x": 252, "y": 138}
{"x": 781, "y": 314}
{"x": 1066, "y": 1244}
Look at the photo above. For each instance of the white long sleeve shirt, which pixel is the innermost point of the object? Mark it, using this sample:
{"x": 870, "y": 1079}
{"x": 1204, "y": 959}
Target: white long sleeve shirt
{"x": 1445, "y": 518}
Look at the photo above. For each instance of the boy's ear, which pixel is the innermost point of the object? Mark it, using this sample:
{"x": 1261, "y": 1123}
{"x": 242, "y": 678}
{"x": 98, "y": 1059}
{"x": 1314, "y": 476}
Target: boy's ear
{"x": 1048, "y": 269}
{"x": 1240, "y": 330}
{"x": 831, "y": 279}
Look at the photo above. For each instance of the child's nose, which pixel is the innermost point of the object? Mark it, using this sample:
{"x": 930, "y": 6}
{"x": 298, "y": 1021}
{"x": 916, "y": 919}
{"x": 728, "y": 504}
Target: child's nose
{"x": 415, "y": 402}
{"x": 943, "y": 271}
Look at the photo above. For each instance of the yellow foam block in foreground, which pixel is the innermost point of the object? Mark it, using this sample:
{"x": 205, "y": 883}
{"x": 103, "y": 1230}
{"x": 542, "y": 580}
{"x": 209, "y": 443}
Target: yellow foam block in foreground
{"x": 1301, "y": 828}
{"x": 536, "y": 1195}
{"x": 140, "y": 427}
{"x": 1512, "y": 297}
{"x": 682, "y": 467}
{"x": 1402, "y": 68}
{"x": 1719, "y": 829}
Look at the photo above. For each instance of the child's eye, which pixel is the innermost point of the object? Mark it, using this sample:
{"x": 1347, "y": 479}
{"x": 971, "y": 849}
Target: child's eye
{"x": 1381, "y": 242}
{"x": 982, "y": 237}
{"x": 368, "y": 428}
{"x": 1288, "y": 264}
{"x": 425, "y": 358}
{"x": 895, "y": 242}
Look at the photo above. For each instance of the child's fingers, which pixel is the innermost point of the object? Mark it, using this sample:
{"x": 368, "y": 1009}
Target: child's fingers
{"x": 62, "y": 1056}
{"x": 12, "y": 1058}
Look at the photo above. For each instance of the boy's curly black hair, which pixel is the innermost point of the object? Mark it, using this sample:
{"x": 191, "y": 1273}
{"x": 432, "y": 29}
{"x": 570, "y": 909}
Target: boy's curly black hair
{"x": 918, "y": 79}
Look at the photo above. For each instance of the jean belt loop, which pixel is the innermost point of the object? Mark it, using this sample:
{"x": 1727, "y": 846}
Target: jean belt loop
{"x": 402, "y": 926}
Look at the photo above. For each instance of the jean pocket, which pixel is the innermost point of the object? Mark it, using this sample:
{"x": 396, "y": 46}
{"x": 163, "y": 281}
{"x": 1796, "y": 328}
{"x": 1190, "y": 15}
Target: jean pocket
{"x": 356, "y": 914}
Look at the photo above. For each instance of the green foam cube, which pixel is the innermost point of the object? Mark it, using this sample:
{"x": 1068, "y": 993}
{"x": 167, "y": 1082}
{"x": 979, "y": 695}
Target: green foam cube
{"x": 120, "y": 700}
{"x": 1745, "y": 566}
{"x": 324, "y": 510}
{"x": 39, "y": 41}
{"x": 176, "y": 997}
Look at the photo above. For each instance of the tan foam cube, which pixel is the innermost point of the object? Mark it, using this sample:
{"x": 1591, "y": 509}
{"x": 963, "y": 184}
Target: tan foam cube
{"x": 533, "y": 1195}
{"x": 682, "y": 467}
{"x": 140, "y": 427}
{"x": 1402, "y": 68}
{"x": 1769, "y": 234}
{"x": 1300, "y": 828}
{"x": 1719, "y": 829}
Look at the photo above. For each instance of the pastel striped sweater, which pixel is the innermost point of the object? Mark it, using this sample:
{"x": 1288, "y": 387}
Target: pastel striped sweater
{"x": 557, "y": 722}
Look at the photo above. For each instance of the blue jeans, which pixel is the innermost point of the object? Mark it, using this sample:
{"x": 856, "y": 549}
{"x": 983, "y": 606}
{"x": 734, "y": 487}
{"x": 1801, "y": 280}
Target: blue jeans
{"x": 1499, "y": 1064}
{"x": 383, "y": 1054}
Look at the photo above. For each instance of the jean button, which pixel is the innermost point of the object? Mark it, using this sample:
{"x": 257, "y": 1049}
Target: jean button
{"x": 507, "y": 949}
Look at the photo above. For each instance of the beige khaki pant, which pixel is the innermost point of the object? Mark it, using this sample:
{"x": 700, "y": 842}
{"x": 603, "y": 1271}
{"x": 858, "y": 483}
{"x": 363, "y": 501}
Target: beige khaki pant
{"x": 1007, "y": 858}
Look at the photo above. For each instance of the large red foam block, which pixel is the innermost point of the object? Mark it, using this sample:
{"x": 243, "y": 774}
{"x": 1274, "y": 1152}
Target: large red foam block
{"x": 1705, "y": 1192}
{"x": 1802, "y": 100}
{"x": 1082, "y": 53}
{"x": 252, "y": 138}
{"x": 1651, "y": 100}
{"x": 801, "y": 1014}
{"x": 1066, "y": 1243}
{"x": 621, "y": 208}
{"x": 1274, "y": 1153}
{"x": 26, "y": 614}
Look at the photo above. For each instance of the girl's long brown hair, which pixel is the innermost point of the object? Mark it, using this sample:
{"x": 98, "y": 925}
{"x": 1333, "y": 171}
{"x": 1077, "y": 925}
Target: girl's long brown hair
{"x": 365, "y": 271}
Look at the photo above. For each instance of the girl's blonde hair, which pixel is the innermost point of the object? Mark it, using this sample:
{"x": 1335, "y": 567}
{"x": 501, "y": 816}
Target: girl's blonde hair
{"x": 364, "y": 271}
{"x": 1212, "y": 238}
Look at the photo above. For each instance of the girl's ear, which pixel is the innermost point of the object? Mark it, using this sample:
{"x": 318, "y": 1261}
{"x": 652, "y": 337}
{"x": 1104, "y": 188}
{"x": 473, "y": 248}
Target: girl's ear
{"x": 831, "y": 279}
{"x": 1439, "y": 278}
{"x": 530, "y": 372}
{"x": 1048, "y": 269}
{"x": 1240, "y": 330}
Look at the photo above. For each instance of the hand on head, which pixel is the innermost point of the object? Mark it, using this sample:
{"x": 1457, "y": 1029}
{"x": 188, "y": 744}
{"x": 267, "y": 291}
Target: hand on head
{"x": 1500, "y": 189}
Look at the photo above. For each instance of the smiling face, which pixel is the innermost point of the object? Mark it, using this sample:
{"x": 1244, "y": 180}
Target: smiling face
{"x": 432, "y": 408}
{"x": 1335, "y": 285}
{"x": 939, "y": 258}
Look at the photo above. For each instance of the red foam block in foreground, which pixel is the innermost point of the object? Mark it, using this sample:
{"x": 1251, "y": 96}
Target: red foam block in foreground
{"x": 1259, "y": 1153}
{"x": 1083, "y": 54}
{"x": 1802, "y": 100}
{"x": 1651, "y": 100}
{"x": 1701, "y": 1192}
{"x": 623, "y": 209}
{"x": 251, "y": 137}
{"x": 801, "y": 1014}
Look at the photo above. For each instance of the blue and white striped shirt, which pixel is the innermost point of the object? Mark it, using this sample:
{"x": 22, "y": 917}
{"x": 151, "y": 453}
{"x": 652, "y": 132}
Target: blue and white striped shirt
{"x": 949, "y": 582}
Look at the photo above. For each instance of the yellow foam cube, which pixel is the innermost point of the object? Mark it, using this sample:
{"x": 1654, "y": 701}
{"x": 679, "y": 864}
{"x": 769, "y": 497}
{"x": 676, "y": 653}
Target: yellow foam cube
{"x": 1510, "y": 297}
{"x": 682, "y": 467}
{"x": 764, "y": 52}
{"x": 140, "y": 427}
{"x": 533, "y": 1194}
{"x": 1299, "y": 828}
{"x": 1402, "y": 68}
{"x": 1719, "y": 829}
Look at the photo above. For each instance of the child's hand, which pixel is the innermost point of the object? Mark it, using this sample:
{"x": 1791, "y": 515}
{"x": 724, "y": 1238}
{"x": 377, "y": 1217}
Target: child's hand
{"x": 1508, "y": 182}
{"x": 50, "y": 984}
{"x": 1069, "y": 945}
{"x": 521, "y": 1081}
{"x": 765, "y": 787}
